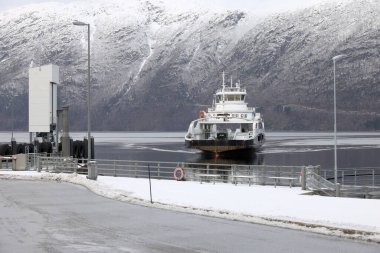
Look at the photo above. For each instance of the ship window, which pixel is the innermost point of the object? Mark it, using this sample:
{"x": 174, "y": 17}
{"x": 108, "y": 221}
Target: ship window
{"x": 207, "y": 127}
{"x": 232, "y": 98}
{"x": 246, "y": 127}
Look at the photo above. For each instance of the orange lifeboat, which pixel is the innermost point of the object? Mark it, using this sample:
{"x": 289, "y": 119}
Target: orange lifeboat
{"x": 202, "y": 114}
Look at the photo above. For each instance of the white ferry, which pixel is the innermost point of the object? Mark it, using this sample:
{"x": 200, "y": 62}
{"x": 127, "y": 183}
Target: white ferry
{"x": 229, "y": 125}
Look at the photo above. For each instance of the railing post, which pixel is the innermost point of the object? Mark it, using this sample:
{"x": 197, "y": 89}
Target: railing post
{"x": 208, "y": 168}
{"x": 355, "y": 178}
{"x": 38, "y": 164}
{"x": 114, "y": 168}
{"x": 75, "y": 162}
{"x": 34, "y": 160}
{"x": 292, "y": 172}
{"x": 342, "y": 177}
{"x": 337, "y": 190}
{"x": 233, "y": 170}
{"x": 135, "y": 169}
{"x": 373, "y": 178}
{"x": 303, "y": 178}
{"x": 158, "y": 170}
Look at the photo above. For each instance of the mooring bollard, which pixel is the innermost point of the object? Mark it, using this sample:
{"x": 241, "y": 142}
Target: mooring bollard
{"x": 92, "y": 170}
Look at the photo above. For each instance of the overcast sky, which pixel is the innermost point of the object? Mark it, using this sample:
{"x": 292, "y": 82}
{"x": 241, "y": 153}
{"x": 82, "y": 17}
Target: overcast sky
{"x": 257, "y": 6}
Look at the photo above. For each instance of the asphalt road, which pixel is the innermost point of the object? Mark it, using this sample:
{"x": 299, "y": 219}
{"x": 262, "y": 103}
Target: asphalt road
{"x": 59, "y": 217}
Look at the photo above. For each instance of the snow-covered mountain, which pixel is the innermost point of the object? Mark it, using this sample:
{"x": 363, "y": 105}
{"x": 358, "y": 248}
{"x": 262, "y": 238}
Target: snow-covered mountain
{"x": 154, "y": 66}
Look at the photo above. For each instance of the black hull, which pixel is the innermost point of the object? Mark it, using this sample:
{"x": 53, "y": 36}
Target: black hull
{"x": 218, "y": 146}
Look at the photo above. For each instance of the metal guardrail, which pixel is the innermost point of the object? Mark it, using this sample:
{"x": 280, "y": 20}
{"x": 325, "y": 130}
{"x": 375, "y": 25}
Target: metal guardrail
{"x": 137, "y": 169}
{"x": 315, "y": 182}
{"x": 201, "y": 172}
{"x": 315, "y": 179}
{"x": 355, "y": 176}
{"x": 372, "y": 192}
{"x": 58, "y": 164}
{"x": 244, "y": 174}
{"x": 323, "y": 186}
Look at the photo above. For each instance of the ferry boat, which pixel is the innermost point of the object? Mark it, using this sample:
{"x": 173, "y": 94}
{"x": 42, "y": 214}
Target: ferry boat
{"x": 229, "y": 125}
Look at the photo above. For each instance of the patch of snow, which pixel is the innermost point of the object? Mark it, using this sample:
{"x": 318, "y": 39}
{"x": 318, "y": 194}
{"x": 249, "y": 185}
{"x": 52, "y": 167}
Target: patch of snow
{"x": 281, "y": 206}
{"x": 151, "y": 43}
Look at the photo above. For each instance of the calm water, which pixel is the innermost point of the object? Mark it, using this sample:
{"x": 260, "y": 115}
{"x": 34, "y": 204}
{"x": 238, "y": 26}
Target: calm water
{"x": 281, "y": 148}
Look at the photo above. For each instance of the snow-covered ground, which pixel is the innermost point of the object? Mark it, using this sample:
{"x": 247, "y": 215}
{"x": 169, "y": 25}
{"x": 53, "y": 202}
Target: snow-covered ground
{"x": 281, "y": 206}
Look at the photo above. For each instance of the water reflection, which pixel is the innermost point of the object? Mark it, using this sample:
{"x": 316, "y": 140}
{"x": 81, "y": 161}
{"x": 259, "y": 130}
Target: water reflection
{"x": 240, "y": 157}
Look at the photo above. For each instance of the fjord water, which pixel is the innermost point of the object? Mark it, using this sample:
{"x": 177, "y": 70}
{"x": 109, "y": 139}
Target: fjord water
{"x": 357, "y": 149}
{"x": 296, "y": 148}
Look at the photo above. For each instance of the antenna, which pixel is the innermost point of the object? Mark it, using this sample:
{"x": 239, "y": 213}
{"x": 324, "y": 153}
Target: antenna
{"x": 223, "y": 79}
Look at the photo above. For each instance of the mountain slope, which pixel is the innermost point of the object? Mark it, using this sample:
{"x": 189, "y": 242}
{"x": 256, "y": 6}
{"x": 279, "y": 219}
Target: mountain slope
{"x": 153, "y": 67}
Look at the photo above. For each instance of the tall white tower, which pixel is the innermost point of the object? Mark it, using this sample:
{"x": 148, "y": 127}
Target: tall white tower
{"x": 43, "y": 82}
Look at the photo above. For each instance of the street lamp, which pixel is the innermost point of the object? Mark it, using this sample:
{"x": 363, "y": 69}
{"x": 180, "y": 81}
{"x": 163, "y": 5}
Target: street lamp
{"x": 13, "y": 116}
{"x": 12, "y": 104}
{"x": 79, "y": 23}
{"x": 335, "y": 58}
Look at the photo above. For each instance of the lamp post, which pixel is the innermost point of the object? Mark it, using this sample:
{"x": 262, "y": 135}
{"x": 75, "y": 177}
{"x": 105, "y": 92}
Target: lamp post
{"x": 12, "y": 105}
{"x": 79, "y": 23}
{"x": 335, "y": 58}
{"x": 13, "y": 116}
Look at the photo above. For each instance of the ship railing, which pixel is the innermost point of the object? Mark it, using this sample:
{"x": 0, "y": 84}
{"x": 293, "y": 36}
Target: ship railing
{"x": 205, "y": 135}
{"x": 233, "y": 89}
{"x": 248, "y": 109}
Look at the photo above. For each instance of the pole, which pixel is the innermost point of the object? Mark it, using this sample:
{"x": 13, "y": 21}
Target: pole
{"x": 335, "y": 152}
{"x": 150, "y": 185}
{"x": 88, "y": 102}
{"x": 12, "y": 116}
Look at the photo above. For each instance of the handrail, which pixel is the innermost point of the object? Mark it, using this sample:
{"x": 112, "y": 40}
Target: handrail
{"x": 224, "y": 173}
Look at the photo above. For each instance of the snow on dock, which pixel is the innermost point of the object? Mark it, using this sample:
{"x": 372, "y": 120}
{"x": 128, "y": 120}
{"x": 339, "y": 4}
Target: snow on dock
{"x": 280, "y": 206}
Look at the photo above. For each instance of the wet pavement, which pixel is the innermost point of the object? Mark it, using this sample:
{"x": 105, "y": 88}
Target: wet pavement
{"x": 60, "y": 217}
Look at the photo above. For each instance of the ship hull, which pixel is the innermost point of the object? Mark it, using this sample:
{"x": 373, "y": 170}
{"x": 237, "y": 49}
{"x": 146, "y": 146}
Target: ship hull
{"x": 219, "y": 146}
